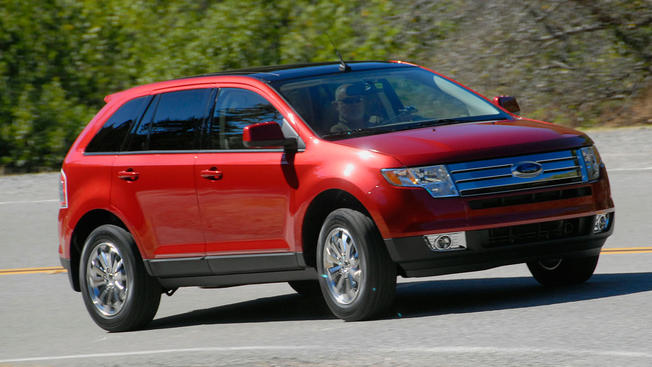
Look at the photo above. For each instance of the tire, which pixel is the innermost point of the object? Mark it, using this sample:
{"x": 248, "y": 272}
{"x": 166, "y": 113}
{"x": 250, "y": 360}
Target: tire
{"x": 117, "y": 291}
{"x": 306, "y": 288}
{"x": 358, "y": 281}
{"x": 559, "y": 272}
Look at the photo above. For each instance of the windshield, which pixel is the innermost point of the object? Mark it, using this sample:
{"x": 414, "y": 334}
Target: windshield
{"x": 376, "y": 101}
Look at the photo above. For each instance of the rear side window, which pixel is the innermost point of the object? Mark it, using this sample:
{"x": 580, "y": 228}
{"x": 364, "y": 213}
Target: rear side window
{"x": 235, "y": 109}
{"x": 113, "y": 133}
{"x": 174, "y": 122}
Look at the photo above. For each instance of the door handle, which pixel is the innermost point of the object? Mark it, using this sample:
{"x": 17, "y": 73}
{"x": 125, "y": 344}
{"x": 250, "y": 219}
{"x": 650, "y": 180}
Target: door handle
{"x": 128, "y": 175}
{"x": 212, "y": 174}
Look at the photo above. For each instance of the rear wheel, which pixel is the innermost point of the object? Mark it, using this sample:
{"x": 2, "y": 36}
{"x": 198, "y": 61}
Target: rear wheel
{"x": 357, "y": 276}
{"x": 557, "y": 272}
{"x": 117, "y": 291}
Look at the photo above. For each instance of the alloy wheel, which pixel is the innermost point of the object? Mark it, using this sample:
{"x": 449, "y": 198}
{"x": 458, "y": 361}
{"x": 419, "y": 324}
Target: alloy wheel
{"x": 342, "y": 266}
{"x": 107, "y": 279}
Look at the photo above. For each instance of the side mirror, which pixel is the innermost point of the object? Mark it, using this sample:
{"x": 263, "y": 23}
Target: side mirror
{"x": 507, "y": 102}
{"x": 266, "y": 134}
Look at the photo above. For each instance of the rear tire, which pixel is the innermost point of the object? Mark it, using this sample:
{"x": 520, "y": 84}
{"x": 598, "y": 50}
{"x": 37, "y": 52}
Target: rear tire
{"x": 559, "y": 272}
{"x": 117, "y": 291}
{"x": 356, "y": 275}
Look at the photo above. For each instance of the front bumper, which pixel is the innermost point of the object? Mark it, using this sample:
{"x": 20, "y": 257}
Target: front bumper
{"x": 415, "y": 258}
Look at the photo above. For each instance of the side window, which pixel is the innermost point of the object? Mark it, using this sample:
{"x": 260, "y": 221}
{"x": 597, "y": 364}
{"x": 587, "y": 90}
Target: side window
{"x": 110, "y": 138}
{"x": 174, "y": 122}
{"x": 235, "y": 109}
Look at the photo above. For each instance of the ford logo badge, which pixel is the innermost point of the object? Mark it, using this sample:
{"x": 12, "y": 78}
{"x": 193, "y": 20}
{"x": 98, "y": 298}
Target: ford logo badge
{"x": 526, "y": 169}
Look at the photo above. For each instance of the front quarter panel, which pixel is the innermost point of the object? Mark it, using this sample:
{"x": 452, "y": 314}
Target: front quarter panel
{"x": 354, "y": 171}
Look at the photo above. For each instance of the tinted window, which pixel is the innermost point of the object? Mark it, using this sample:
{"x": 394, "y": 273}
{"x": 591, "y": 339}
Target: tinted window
{"x": 235, "y": 109}
{"x": 114, "y": 131}
{"x": 178, "y": 118}
{"x": 173, "y": 122}
{"x": 139, "y": 137}
{"x": 346, "y": 105}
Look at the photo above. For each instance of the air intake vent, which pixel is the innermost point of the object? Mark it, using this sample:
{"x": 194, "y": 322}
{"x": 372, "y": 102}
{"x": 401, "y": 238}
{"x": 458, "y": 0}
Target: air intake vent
{"x": 530, "y": 233}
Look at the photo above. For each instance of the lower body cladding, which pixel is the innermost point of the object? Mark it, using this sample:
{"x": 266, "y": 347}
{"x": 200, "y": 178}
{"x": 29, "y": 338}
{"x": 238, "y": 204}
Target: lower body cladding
{"x": 229, "y": 270}
{"x": 489, "y": 248}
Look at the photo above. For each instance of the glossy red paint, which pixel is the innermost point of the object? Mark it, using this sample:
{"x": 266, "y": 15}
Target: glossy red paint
{"x": 88, "y": 190}
{"x": 241, "y": 210}
{"x": 215, "y": 203}
{"x": 265, "y": 132}
{"x": 470, "y": 141}
{"x": 160, "y": 205}
{"x": 509, "y": 103}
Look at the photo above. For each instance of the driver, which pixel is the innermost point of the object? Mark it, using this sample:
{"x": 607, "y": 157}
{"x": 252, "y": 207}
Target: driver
{"x": 350, "y": 106}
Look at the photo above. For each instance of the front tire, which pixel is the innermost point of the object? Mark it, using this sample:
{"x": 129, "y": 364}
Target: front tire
{"x": 117, "y": 291}
{"x": 357, "y": 276}
{"x": 559, "y": 272}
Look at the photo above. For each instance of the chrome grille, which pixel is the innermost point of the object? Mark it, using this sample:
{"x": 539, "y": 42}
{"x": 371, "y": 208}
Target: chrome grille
{"x": 493, "y": 176}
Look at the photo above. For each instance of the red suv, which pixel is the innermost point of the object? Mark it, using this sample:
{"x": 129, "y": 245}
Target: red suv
{"x": 333, "y": 177}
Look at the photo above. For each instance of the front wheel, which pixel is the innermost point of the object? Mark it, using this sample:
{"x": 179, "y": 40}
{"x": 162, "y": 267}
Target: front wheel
{"x": 558, "y": 272}
{"x": 117, "y": 291}
{"x": 357, "y": 276}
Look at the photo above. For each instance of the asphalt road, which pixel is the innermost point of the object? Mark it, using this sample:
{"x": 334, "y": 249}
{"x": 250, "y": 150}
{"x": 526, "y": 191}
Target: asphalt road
{"x": 499, "y": 317}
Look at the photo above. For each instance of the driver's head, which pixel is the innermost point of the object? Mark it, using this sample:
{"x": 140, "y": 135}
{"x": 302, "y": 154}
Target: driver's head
{"x": 349, "y": 101}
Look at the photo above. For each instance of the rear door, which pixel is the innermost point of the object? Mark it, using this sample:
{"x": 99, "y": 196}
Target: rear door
{"x": 153, "y": 180}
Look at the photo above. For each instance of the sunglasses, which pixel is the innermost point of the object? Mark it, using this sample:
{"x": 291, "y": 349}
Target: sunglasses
{"x": 350, "y": 100}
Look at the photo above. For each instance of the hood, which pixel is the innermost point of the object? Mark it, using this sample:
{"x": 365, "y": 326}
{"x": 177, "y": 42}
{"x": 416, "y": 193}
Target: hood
{"x": 470, "y": 141}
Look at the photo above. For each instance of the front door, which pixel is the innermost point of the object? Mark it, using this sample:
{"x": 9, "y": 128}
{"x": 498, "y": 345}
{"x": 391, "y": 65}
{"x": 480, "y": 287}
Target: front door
{"x": 243, "y": 194}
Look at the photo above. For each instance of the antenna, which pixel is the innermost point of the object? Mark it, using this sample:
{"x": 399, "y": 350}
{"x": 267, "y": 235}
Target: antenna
{"x": 343, "y": 65}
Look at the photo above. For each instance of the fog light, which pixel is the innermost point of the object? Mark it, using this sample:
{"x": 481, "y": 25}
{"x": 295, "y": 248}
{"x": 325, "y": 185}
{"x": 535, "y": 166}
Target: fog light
{"x": 600, "y": 223}
{"x": 446, "y": 241}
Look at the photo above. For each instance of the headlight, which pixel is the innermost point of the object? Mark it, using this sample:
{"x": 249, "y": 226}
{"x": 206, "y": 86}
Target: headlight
{"x": 435, "y": 179}
{"x": 591, "y": 162}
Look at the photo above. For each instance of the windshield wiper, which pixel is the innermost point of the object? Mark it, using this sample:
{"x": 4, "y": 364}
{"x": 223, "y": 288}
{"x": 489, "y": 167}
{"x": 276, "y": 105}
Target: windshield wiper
{"x": 387, "y": 128}
{"x": 455, "y": 121}
{"x": 439, "y": 122}
{"x": 349, "y": 134}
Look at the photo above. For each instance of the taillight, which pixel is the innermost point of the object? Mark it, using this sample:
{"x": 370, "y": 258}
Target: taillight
{"x": 63, "y": 191}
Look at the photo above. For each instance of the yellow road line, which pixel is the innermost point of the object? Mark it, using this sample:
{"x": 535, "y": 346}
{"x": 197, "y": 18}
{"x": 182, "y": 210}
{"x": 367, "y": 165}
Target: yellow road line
{"x": 627, "y": 249}
{"x": 59, "y": 269}
{"x": 49, "y": 270}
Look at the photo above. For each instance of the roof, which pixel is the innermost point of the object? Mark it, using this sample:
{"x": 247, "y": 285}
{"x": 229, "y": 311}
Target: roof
{"x": 282, "y": 72}
{"x": 269, "y": 74}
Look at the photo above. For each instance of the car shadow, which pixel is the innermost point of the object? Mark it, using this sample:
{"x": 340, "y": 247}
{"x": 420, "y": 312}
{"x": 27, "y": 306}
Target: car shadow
{"x": 417, "y": 299}
{"x": 286, "y": 307}
{"x": 422, "y": 298}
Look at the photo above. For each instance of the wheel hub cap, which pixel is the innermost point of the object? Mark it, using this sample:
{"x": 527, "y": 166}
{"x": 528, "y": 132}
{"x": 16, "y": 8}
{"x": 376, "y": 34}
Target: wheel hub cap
{"x": 106, "y": 279}
{"x": 342, "y": 266}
